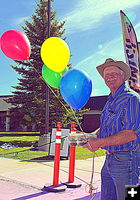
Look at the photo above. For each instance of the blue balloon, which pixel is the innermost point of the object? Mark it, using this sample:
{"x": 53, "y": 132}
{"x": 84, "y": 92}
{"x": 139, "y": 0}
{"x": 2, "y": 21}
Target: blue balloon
{"x": 75, "y": 88}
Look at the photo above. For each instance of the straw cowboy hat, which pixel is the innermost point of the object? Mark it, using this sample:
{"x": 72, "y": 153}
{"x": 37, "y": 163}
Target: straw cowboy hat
{"x": 120, "y": 64}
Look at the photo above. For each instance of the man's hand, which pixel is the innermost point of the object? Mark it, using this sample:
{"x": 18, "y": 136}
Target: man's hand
{"x": 93, "y": 144}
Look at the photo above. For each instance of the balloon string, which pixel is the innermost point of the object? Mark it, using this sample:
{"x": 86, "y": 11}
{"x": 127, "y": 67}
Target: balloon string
{"x": 76, "y": 119}
{"x": 92, "y": 174}
{"x": 56, "y": 96}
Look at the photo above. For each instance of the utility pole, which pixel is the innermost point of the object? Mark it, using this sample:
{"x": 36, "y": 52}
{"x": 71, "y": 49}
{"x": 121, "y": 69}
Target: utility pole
{"x": 47, "y": 89}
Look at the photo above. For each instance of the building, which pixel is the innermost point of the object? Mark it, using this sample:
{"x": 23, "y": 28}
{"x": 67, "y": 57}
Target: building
{"x": 90, "y": 121}
{"x": 5, "y": 117}
{"x": 4, "y": 113}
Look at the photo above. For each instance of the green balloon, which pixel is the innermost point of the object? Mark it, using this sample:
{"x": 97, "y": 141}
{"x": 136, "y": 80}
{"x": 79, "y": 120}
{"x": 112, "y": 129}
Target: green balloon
{"x": 51, "y": 77}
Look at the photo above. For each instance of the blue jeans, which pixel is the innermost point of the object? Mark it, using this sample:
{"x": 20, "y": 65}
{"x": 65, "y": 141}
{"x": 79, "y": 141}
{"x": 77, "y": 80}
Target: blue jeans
{"x": 119, "y": 169}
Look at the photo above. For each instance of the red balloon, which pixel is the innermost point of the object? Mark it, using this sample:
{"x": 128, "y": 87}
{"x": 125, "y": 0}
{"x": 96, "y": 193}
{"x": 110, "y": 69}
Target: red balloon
{"x": 15, "y": 45}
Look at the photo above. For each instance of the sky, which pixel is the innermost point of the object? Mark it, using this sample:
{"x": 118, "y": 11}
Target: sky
{"x": 93, "y": 31}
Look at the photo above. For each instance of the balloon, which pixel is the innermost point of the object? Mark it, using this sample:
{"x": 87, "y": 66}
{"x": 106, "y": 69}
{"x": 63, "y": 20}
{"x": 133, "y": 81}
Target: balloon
{"x": 15, "y": 45}
{"x": 55, "y": 54}
{"x": 75, "y": 88}
{"x": 51, "y": 77}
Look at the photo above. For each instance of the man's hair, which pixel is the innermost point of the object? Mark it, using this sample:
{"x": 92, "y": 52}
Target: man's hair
{"x": 122, "y": 72}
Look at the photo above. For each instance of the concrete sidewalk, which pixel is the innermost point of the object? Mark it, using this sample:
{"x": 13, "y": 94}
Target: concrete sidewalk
{"x": 22, "y": 180}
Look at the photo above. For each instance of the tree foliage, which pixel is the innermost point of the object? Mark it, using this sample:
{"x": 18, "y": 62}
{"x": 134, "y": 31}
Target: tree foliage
{"x": 29, "y": 96}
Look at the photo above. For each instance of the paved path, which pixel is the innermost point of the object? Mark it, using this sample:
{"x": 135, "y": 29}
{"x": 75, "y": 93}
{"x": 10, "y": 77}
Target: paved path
{"x": 23, "y": 180}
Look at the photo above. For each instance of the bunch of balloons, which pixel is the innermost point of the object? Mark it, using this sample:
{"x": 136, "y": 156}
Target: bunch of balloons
{"x": 75, "y": 85}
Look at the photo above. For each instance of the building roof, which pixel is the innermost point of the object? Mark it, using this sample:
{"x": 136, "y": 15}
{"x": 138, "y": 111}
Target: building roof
{"x": 4, "y": 106}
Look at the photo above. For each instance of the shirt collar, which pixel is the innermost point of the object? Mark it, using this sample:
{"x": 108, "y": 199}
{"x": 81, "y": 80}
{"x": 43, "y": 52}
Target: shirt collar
{"x": 117, "y": 93}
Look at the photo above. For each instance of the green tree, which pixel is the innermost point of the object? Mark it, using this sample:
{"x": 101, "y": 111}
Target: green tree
{"x": 29, "y": 96}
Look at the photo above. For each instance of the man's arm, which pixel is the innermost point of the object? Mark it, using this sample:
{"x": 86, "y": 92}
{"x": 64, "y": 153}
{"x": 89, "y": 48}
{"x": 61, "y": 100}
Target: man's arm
{"x": 122, "y": 137}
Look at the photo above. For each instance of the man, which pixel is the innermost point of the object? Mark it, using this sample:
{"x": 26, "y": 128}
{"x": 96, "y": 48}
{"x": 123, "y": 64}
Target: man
{"x": 119, "y": 132}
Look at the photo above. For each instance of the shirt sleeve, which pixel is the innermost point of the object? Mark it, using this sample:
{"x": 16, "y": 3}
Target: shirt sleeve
{"x": 132, "y": 115}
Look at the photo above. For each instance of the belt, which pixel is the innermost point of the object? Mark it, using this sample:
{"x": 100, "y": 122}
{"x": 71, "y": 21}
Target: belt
{"x": 112, "y": 152}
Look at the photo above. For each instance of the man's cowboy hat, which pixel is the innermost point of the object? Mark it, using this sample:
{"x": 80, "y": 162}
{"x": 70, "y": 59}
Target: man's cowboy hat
{"x": 120, "y": 64}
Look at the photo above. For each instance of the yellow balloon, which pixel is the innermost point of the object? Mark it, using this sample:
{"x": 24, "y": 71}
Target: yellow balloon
{"x": 55, "y": 54}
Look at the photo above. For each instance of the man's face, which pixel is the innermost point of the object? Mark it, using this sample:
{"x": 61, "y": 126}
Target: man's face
{"x": 113, "y": 77}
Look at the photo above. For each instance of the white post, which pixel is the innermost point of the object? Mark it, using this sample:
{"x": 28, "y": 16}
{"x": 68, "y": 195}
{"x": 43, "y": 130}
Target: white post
{"x": 7, "y": 121}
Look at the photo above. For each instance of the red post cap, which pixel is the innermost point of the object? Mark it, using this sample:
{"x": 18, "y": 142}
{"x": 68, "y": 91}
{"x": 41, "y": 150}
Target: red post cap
{"x": 59, "y": 124}
{"x": 73, "y": 125}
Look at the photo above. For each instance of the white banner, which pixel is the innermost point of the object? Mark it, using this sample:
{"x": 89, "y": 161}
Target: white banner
{"x": 131, "y": 52}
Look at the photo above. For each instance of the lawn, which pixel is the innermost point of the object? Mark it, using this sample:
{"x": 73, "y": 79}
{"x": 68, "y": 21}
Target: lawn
{"x": 82, "y": 153}
{"x": 25, "y": 150}
{"x": 21, "y": 153}
{"x": 21, "y": 139}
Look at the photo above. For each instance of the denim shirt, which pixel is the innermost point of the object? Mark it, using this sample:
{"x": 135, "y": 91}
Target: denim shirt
{"x": 121, "y": 112}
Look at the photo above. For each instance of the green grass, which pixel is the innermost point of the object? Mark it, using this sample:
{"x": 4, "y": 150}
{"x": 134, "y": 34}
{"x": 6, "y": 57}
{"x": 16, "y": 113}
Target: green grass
{"x": 28, "y": 154}
{"x": 24, "y": 155}
{"x": 18, "y": 132}
{"x": 21, "y": 139}
{"x": 82, "y": 153}
{"x": 26, "y": 142}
